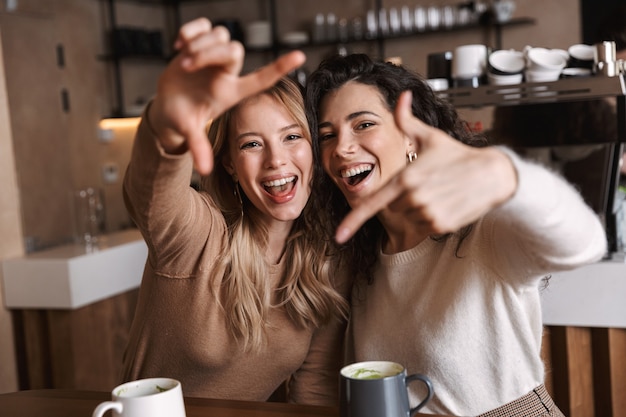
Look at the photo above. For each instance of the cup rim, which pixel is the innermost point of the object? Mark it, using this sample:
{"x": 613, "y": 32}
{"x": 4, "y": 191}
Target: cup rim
{"x": 544, "y": 64}
{"x": 588, "y": 55}
{"x": 472, "y": 45}
{"x": 396, "y": 365}
{"x": 117, "y": 391}
{"x": 499, "y": 70}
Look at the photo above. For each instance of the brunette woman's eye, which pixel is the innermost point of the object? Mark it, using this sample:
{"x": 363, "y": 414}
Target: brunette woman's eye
{"x": 325, "y": 136}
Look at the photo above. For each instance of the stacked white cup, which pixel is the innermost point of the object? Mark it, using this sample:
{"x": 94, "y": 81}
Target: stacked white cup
{"x": 544, "y": 64}
{"x": 506, "y": 67}
{"x": 469, "y": 64}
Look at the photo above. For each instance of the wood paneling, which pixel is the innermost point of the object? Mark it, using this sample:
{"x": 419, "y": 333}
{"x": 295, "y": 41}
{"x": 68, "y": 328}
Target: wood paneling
{"x": 610, "y": 371}
{"x": 75, "y": 349}
{"x": 586, "y": 370}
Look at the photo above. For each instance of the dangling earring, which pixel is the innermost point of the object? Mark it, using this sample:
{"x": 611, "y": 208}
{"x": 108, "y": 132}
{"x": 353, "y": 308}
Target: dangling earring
{"x": 411, "y": 156}
{"x": 237, "y": 193}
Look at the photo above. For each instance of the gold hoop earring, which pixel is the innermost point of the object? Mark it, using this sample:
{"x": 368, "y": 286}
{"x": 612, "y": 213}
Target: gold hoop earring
{"x": 411, "y": 156}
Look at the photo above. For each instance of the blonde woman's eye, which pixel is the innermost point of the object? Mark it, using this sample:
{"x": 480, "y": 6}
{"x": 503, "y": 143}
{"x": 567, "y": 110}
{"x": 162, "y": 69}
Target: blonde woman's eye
{"x": 293, "y": 137}
{"x": 250, "y": 145}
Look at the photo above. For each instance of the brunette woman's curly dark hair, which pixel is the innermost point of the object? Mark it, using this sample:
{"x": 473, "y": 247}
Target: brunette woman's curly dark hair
{"x": 390, "y": 80}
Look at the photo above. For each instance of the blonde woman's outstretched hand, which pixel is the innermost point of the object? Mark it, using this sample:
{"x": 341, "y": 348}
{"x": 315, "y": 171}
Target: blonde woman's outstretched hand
{"x": 449, "y": 186}
{"x": 203, "y": 81}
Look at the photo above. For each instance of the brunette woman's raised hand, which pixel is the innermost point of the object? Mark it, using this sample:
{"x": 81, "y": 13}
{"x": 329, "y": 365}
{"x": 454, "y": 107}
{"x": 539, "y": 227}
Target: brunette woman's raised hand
{"x": 449, "y": 186}
{"x": 201, "y": 82}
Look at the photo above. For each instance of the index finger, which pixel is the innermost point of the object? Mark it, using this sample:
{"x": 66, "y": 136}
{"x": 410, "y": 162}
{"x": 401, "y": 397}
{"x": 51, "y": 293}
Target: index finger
{"x": 192, "y": 29}
{"x": 268, "y": 75}
{"x": 366, "y": 209}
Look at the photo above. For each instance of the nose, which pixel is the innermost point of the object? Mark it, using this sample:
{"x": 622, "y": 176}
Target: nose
{"x": 276, "y": 156}
{"x": 346, "y": 145}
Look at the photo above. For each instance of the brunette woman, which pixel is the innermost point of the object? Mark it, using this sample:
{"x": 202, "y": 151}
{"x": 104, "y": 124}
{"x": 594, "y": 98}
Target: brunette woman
{"x": 452, "y": 238}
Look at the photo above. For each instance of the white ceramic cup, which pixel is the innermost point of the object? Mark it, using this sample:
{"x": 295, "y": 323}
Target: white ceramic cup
{"x": 506, "y": 61}
{"x": 469, "y": 61}
{"x": 542, "y": 59}
{"x": 581, "y": 56}
{"x": 495, "y": 79}
{"x": 503, "y": 10}
{"x": 154, "y": 397}
{"x": 259, "y": 34}
{"x": 534, "y": 76}
{"x": 438, "y": 84}
{"x": 582, "y": 52}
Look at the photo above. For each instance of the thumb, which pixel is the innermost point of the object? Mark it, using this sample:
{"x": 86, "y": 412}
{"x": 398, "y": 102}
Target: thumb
{"x": 409, "y": 124}
{"x": 201, "y": 151}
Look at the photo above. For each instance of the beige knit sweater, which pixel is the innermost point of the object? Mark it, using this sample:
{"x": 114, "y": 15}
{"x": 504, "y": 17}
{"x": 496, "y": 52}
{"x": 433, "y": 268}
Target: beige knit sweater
{"x": 179, "y": 329}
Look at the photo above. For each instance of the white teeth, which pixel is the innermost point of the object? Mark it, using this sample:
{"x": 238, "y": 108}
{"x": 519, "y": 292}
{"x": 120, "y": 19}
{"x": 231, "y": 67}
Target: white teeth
{"x": 347, "y": 173}
{"x": 279, "y": 182}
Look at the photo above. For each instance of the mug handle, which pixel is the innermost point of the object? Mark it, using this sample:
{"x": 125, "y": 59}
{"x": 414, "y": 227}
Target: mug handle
{"x": 429, "y": 387}
{"x": 106, "y": 406}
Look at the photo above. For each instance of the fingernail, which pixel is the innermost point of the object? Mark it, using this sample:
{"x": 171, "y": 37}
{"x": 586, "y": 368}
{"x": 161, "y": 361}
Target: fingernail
{"x": 186, "y": 62}
{"x": 342, "y": 235}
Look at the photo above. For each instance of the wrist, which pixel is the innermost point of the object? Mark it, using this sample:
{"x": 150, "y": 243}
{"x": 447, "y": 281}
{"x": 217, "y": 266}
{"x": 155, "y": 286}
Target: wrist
{"x": 507, "y": 175}
{"x": 170, "y": 140}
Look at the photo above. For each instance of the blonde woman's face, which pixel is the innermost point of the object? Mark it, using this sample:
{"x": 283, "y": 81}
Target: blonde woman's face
{"x": 271, "y": 156}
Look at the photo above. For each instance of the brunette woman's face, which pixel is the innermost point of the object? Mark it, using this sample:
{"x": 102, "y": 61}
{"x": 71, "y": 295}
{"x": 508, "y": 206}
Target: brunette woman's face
{"x": 361, "y": 145}
{"x": 271, "y": 155}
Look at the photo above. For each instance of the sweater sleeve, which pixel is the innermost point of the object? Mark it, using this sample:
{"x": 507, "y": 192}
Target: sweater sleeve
{"x": 545, "y": 227}
{"x": 316, "y": 381}
{"x": 174, "y": 219}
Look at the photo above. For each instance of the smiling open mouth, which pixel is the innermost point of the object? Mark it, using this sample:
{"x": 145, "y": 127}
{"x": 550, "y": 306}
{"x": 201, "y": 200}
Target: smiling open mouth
{"x": 281, "y": 186}
{"x": 356, "y": 174}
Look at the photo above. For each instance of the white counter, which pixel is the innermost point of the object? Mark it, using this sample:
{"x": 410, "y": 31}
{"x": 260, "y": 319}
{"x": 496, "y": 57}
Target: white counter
{"x": 70, "y": 276}
{"x": 591, "y": 296}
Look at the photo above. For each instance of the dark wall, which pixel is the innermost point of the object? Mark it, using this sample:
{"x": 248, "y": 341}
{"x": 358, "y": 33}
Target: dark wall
{"x": 593, "y": 14}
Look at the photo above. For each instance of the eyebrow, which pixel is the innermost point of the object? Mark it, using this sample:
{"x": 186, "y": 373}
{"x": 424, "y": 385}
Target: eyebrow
{"x": 349, "y": 117}
{"x": 282, "y": 129}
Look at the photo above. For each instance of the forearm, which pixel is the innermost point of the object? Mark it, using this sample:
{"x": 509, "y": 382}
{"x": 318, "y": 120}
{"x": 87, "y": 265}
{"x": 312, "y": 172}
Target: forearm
{"x": 156, "y": 184}
{"x": 549, "y": 219}
{"x": 316, "y": 382}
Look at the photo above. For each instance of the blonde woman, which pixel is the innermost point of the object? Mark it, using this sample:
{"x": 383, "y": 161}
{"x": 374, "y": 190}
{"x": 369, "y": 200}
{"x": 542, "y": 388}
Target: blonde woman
{"x": 239, "y": 293}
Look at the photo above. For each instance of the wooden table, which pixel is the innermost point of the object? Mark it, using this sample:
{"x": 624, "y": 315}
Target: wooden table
{"x": 71, "y": 403}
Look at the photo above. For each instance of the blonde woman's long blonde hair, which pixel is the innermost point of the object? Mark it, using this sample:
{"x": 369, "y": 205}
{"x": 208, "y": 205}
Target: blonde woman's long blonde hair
{"x": 306, "y": 290}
